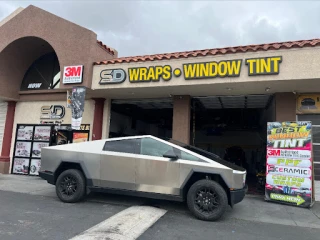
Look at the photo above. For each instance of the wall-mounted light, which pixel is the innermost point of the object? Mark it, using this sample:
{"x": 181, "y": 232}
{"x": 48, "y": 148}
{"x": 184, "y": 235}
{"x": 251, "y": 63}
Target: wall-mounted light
{"x": 229, "y": 89}
{"x": 267, "y": 89}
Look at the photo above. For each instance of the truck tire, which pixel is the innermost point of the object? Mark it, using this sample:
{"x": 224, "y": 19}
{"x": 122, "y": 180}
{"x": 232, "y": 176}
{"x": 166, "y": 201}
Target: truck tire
{"x": 71, "y": 186}
{"x": 207, "y": 200}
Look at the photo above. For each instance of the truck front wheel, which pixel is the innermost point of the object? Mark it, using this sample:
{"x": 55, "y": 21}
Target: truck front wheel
{"x": 71, "y": 186}
{"x": 207, "y": 200}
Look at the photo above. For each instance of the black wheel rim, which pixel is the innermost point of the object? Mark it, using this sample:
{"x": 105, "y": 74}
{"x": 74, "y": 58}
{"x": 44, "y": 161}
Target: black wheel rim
{"x": 206, "y": 200}
{"x": 68, "y": 185}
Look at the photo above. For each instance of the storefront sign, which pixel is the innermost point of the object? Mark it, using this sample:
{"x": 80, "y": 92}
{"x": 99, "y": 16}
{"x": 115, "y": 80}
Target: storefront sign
{"x": 289, "y": 171}
{"x": 52, "y": 112}
{"x": 193, "y": 71}
{"x": 77, "y": 106}
{"x": 144, "y": 74}
{"x": 308, "y": 103}
{"x": 263, "y": 66}
{"x": 110, "y": 76}
{"x": 72, "y": 74}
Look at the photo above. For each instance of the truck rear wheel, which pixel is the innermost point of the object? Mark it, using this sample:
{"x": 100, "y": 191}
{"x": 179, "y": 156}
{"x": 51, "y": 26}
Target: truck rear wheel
{"x": 207, "y": 200}
{"x": 71, "y": 186}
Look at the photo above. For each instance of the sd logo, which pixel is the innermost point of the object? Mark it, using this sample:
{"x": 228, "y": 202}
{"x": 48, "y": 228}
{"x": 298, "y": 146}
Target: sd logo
{"x": 52, "y": 112}
{"x": 110, "y": 76}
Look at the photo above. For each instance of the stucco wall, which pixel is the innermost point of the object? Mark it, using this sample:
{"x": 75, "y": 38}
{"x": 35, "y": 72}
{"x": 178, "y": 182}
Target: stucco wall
{"x": 44, "y": 32}
{"x": 285, "y": 106}
{"x": 297, "y": 64}
{"x": 29, "y": 113}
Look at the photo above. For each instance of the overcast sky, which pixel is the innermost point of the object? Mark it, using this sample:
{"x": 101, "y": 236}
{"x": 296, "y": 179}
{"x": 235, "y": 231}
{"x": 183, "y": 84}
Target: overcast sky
{"x": 147, "y": 27}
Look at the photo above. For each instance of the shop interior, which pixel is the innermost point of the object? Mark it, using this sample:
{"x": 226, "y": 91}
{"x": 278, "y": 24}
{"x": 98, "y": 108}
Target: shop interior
{"x": 141, "y": 117}
{"x": 233, "y": 127}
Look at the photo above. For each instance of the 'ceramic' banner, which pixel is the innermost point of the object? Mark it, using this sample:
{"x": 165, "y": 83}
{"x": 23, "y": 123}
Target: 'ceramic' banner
{"x": 289, "y": 174}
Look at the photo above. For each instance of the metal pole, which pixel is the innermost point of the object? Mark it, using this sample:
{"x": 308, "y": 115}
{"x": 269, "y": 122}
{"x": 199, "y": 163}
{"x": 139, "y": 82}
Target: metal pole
{"x": 194, "y": 123}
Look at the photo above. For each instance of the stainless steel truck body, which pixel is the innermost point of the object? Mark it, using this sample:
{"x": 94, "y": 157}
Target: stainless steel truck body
{"x": 145, "y": 166}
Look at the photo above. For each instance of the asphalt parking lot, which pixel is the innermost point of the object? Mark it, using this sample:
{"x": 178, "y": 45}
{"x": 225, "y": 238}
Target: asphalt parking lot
{"x": 32, "y": 211}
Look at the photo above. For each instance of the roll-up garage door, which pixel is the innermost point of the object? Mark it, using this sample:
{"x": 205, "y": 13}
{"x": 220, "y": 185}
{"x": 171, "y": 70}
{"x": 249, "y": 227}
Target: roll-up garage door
{"x": 315, "y": 119}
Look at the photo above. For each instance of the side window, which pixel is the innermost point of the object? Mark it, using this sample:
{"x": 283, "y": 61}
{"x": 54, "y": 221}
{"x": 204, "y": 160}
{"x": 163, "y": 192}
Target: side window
{"x": 152, "y": 147}
{"x": 189, "y": 157}
{"x": 124, "y": 146}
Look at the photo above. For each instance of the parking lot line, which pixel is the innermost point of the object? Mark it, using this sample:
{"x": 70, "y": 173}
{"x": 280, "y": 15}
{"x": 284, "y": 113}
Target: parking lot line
{"x": 128, "y": 224}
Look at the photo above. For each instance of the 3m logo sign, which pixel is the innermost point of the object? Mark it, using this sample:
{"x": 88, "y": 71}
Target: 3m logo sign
{"x": 72, "y": 74}
{"x": 274, "y": 152}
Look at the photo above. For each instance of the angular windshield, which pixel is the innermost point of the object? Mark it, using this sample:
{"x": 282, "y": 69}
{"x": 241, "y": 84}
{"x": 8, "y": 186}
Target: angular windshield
{"x": 207, "y": 154}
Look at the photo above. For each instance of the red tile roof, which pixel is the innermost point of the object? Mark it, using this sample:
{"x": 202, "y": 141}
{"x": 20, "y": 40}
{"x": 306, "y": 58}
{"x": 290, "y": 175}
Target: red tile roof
{"x": 215, "y": 51}
{"x": 105, "y": 47}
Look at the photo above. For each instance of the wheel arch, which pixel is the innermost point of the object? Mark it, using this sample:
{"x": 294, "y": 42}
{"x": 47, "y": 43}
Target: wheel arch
{"x": 196, "y": 175}
{"x": 65, "y": 165}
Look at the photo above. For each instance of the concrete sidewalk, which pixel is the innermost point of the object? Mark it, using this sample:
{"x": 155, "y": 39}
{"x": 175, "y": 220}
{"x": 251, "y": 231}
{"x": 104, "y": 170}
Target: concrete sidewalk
{"x": 252, "y": 208}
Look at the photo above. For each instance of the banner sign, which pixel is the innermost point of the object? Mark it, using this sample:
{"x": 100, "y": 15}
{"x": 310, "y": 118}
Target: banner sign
{"x": 289, "y": 173}
{"x": 77, "y": 106}
{"x": 193, "y": 71}
{"x": 69, "y": 95}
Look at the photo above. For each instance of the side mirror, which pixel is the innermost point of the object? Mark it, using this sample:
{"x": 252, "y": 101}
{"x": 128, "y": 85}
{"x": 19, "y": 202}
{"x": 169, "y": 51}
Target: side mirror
{"x": 171, "y": 155}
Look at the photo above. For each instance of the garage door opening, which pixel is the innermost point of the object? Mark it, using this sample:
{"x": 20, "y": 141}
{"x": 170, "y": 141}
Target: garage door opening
{"x": 141, "y": 117}
{"x": 235, "y": 128}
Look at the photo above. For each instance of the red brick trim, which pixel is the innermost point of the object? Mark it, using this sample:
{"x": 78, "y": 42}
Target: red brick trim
{"x": 5, "y": 159}
{"x": 98, "y": 118}
{"x": 7, "y": 135}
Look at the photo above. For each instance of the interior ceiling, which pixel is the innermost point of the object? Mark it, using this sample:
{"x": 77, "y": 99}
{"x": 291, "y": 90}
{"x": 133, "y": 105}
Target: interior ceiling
{"x": 244, "y": 101}
{"x": 214, "y": 102}
{"x": 147, "y": 103}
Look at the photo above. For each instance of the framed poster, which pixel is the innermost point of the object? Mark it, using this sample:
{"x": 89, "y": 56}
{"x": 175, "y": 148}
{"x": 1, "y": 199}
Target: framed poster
{"x": 35, "y": 166}
{"x": 42, "y": 133}
{"x": 36, "y": 148}
{"x": 289, "y": 170}
{"x": 30, "y": 138}
{"x": 22, "y": 149}
{"x": 20, "y": 165}
{"x": 24, "y": 132}
{"x": 80, "y": 137}
{"x": 62, "y": 137}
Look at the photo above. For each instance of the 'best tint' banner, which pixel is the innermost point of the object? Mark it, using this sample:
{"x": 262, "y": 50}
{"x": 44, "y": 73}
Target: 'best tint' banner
{"x": 289, "y": 173}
